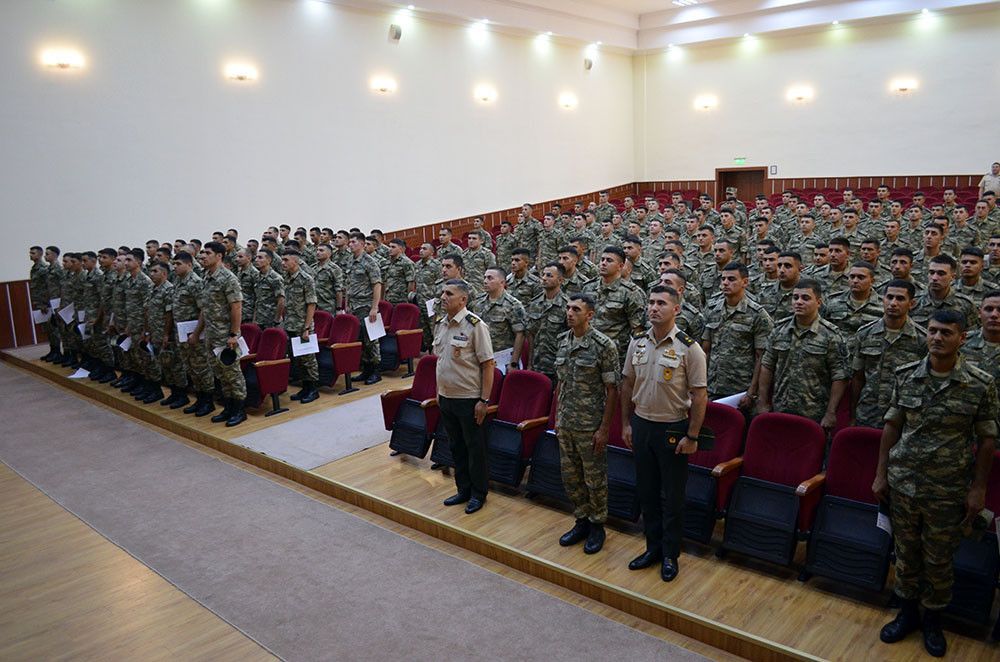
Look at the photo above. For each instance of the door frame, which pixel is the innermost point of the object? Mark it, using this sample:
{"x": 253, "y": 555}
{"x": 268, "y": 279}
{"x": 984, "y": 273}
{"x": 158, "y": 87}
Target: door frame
{"x": 720, "y": 190}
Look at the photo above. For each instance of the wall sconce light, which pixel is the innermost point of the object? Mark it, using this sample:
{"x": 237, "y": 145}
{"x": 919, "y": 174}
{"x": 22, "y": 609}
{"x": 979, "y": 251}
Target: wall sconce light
{"x": 383, "y": 84}
{"x": 485, "y": 93}
{"x": 241, "y": 72}
{"x": 800, "y": 94}
{"x": 904, "y": 85}
{"x": 568, "y": 100}
{"x": 588, "y": 64}
{"x": 706, "y": 102}
{"x": 395, "y": 33}
{"x": 62, "y": 58}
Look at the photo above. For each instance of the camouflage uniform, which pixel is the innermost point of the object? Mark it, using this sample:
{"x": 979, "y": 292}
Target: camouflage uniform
{"x": 878, "y": 353}
{"x": 925, "y": 305}
{"x": 167, "y": 367}
{"x": 644, "y": 275}
{"x": 983, "y": 353}
{"x": 930, "y": 469}
{"x": 73, "y": 286}
{"x": 574, "y": 284}
{"x": 442, "y": 251}
{"x": 975, "y": 292}
{"x": 506, "y": 243}
{"x": 249, "y": 276}
{"x": 476, "y": 263}
{"x": 833, "y": 282}
{"x": 526, "y": 234}
{"x": 97, "y": 344}
{"x": 300, "y": 291}
{"x": 691, "y": 321}
{"x": 137, "y": 290}
{"x": 735, "y": 336}
{"x": 505, "y": 317}
{"x": 604, "y": 212}
{"x": 341, "y": 257}
{"x": 362, "y": 275}
{"x": 804, "y": 365}
{"x": 584, "y": 367}
{"x": 546, "y": 324}
{"x": 120, "y": 318}
{"x": 620, "y": 311}
{"x": 849, "y": 315}
{"x": 426, "y": 273}
{"x": 549, "y": 243}
{"x": 587, "y": 268}
{"x": 397, "y": 274}
{"x": 270, "y": 288}
{"x": 186, "y": 293}
{"x": 524, "y": 289}
{"x": 777, "y": 301}
{"x": 39, "y": 286}
{"x": 652, "y": 248}
{"x": 329, "y": 281}
{"x": 219, "y": 290}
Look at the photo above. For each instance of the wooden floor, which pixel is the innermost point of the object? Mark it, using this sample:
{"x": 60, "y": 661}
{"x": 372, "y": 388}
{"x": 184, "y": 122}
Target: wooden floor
{"x": 756, "y": 598}
{"x": 68, "y": 593}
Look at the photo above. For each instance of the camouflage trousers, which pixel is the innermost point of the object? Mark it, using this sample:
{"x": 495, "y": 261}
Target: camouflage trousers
{"x": 138, "y": 358}
{"x": 370, "y": 356}
{"x": 98, "y": 345}
{"x": 196, "y": 366}
{"x": 926, "y": 533}
{"x": 425, "y": 325}
{"x": 307, "y": 366}
{"x": 71, "y": 339}
{"x": 169, "y": 366}
{"x": 230, "y": 376}
{"x": 52, "y": 331}
{"x": 584, "y": 474}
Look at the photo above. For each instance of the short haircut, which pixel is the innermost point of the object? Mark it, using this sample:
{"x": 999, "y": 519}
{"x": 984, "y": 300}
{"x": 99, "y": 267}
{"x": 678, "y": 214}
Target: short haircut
{"x": 861, "y": 264}
{"x": 680, "y": 274}
{"x": 360, "y": 236}
{"x": 738, "y": 266}
{"x": 291, "y": 252}
{"x": 398, "y": 242}
{"x": 284, "y": 226}
{"x": 990, "y": 294}
{"x": 460, "y": 284}
{"x": 770, "y": 250}
{"x": 268, "y": 253}
{"x": 569, "y": 249}
{"x": 184, "y": 256}
{"x": 578, "y": 239}
{"x": 614, "y": 250}
{"x": 585, "y": 298}
{"x": 632, "y": 239}
{"x": 944, "y": 258}
{"x": 902, "y": 252}
{"x": 498, "y": 269}
{"x": 726, "y": 242}
{"x": 138, "y": 254}
{"x": 911, "y": 289}
{"x": 54, "y": 249}
{"x": 36, "y": 248}
{"x": 163, "y": 266}
{"x": 973, "y": 250}
{"x": 810, "y": 284}
{"x": 110, "y": 252}
{"x": 792, "y": 254}
{"x": 949, "y": 316}
{"x": 841, "y": 241}
{"x": 457, "y": 259}
{"x": 874, "y": 242}
{"x": 558, "y": 267}
{"x": 659, "y": 288}
{"x": 521, "y": 251}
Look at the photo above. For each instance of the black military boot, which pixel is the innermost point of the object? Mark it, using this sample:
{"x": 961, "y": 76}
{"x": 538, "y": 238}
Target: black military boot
{"x": 128, "y": 381}
{"x": 302, "y": 391}
{"x": 906, "y": 621}
{"x": 170, "y": 399}
{"x": 595, "y": 539}
{"x": 109, "y": 375}
{"x": 143, "y": 389}
{"x": 311, "y": 394}
{"x": 238, "y": 414}
{"x": 56, "y": 357}
{"x": 181, "y": 399}
{"x": 136, "y": 384}
{"x": 934, "y": 641}
{"x": 153, "y": 394}
{"x": 205, "y": 406}
{"x": 226, "y": 412}
{"x": 576, "y": 534}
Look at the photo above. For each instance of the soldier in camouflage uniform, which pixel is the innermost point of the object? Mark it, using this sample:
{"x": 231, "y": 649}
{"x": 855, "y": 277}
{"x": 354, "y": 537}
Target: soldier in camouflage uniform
{"x": 573, "y": 277}
{"x": 426, "y": 272}
{"x": 547, "y": 321}
{"x": 521, "y": 283}
{"x": 165, "y": 366}
{"x": 934, "y": 462}
{"x": 604, "y": 209}
{"x": 269, "y": 292}
{"x": 364, "y": 290}
{"x": 851, "y": 310}
{"x": 806, "y": 362}
{"x": 477, "y": 260}
{"x": 506, "y": 243}
{"x": 341, "y": 254}
{"x": 736, "y": 334}
{"x": 940, "y": 294}
{"x": 96, "y": 345}
{"x": 587, "y": 268}
{"x": 117, "y": 320}
{"x": 101, "y": 342}
{"x": 445, "y": 247}
{"x": 249, "y": 276}
{"x": 39, "y": 287}
{"x": 640, "y": 272}
{"x": 881, "y": 347}
{"x": 329, "y": 281}
{"x": 137, "y": 287}
{"x": 221, "y": 302}
{"x": 185, "y": 307}
{"x": 972, "y": 284}
{"x": 982, "y": 347}
{"x": 300, "y": 306}
{"x": 549, "y": 241}
{"x": 399, "y": 274}
{"x": 689, "y": 319}
{"x": 588, "y": 373}
{"x": 71, "y": 294}
{"x": 620, "y": 308}
{"x": 776, "y": 296}
{"x": 504, "y": 315}
{"x": 527, "y": 230}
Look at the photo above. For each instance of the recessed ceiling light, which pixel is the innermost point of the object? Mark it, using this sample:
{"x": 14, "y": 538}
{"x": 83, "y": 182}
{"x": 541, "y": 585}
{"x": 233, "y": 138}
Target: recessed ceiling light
{"x": 925, "y": 10}
{"x": 836, "y": 22}
{"x": 746, "y": 34}
{"x": 410, "y": 7}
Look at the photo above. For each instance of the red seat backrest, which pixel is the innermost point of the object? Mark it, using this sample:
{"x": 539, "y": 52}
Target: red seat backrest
{"x": 425, "y": 379}
{"x": 323, "y": 322}
{"x": 850, "y": 468}
{"x": 728, "y": 424}
{"x": 273, "y": 345}
{"x": 993, "y": 489}
{"x": 497, "y": 387}
{"x": 405, "y": 316}
{"x": 345, "y": 328}
{"x": 783, "y": 448}
{"x": 251, "y": 334}
{"x": 385, "y": 309}
{"x": 525, "y": 394}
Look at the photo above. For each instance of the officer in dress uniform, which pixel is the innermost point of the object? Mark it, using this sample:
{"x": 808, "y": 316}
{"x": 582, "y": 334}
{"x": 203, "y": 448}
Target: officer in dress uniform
{"x": 663, "y": 397}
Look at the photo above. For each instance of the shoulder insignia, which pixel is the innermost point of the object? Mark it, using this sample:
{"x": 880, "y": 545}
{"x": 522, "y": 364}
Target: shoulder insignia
{"x": 909, "y": 366}
{"x": 473, "y": 320}
{"x": 976, "y": 372}
{"x": 685, "y": 338}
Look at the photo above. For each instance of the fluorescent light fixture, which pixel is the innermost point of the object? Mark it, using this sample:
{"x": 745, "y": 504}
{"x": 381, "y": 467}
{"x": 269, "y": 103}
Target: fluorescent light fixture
{"x": 241, "y": 72}
{"x": 63, "y": 58}
{"x": 800, "y": 94}
{"x": 383, "y": 84}
{"x": 706, "y": 102}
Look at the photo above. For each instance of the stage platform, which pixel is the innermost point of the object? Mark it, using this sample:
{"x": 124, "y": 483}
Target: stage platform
{"x": 751, "y": 609}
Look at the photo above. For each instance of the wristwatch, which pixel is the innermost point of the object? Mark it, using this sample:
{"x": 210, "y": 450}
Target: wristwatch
{"x": 234, "y": 335}
{"x": 484, "y": 400}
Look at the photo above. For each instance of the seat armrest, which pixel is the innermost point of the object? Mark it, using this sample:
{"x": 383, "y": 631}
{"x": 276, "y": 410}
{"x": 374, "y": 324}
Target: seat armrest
{"x": 429, "y": 402}
{"x": 726, "y": 467}
{"x": 492, "y": 409}
{"x": 401, "y": 392}
{"x": 262, "y": 364}
{"x": 811, "y": 485}
{"x": 344, "y": 345}
{"x": 408, "y": 332}
{"x": 532, "y": 423}
{"x": 249, "y": 357}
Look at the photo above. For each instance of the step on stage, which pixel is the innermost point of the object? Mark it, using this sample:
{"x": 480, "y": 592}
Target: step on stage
{"x": 752, "y": 609}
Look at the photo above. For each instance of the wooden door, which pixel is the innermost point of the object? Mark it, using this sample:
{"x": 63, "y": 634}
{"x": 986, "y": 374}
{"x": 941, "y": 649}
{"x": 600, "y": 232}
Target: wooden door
{"x": 749, "y": 182}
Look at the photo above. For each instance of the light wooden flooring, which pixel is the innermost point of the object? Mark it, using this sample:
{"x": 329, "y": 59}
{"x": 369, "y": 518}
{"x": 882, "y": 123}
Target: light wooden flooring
{"x": 753, "y": 597}
{"x": 68, "y": 593}
{"x": 88, "y": 641}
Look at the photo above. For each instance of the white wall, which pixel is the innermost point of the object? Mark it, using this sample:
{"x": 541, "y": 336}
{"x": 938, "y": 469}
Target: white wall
{"x": 854, "y": 126}
{"x": 149, "y": 140}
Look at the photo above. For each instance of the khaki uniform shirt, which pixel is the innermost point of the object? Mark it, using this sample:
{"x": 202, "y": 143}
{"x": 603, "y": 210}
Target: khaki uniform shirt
{"x": 462, "y": 344}
{"x": 663, "y": 374}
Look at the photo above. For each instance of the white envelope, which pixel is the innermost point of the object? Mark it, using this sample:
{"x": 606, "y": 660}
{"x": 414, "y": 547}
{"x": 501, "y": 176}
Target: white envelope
{"x": 430, "y": 304}
{"x": 83, "y": 331}
{"x": 54, "y": 303}
{"x": 503, "y": 358}
{"x": 375, "y": 329}
{"x": 185, "y": 329}
{"x": 731, "y": 400}
{"x": 68, "y": 313}
{"x": 300, "y": 348}
{"x": 38, "y": 317}
{"x": 126, "y": 344}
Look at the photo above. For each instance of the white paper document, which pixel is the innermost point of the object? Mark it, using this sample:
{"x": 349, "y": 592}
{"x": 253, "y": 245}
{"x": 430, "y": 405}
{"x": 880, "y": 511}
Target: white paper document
{"x": 185, "y": 329}
{"x": 38, "y": 317}
{"x": 882, "y": 520}
{"x": 83, "y": 331}
{"x": 150, "y": 349}
{"x": 731, "y": 400}
{"x": 68, "y": 313}
{"x": 300, "y": 348}
{"x": 126, "y": 344}
{"x": 81, "y": 315}
{"x": 502, "y": 359}
{"x": 430, "y": 305}
{"x": 54, "y": 303}
{"x": 80, "y": 374}
{"x": 242, "y": 348}
{"x": 375, "y": 329}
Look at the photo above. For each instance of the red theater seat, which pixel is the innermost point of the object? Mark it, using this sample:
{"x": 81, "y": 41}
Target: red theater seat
{"x": 712, "y": 474}
{"x": 411, "y": 414}
{"x": 441, "y": 452}
{"x": 409, "y": 335}
{"x": 268, "y": 373}
{"x": 775, "y": 497}
{"x": 251, "y": 334}
{"x": 517, "y": 424}
{"x": 341, "y": 355}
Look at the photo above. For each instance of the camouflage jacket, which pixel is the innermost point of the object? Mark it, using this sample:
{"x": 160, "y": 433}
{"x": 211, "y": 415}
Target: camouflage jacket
{"x": 329, "y": 281}
{"x": 505, "y": 318}
{"x": 584, "y": 367}
{"x": 877, "y": 355}
{"x": 270, "y": 288}
{"x": 735, "y": 337}
{"x": 397, "y": 276}
{"x": 300, "y": 291}
{"x": 546, "y": 324}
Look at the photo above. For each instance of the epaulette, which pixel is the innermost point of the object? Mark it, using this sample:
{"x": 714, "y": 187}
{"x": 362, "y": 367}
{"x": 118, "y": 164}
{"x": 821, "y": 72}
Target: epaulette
{"x": 685, "y": 338}
{"x": 977, "y": 372}
{"x": 909, "y": 366}
{"x": 473, "y": 320}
